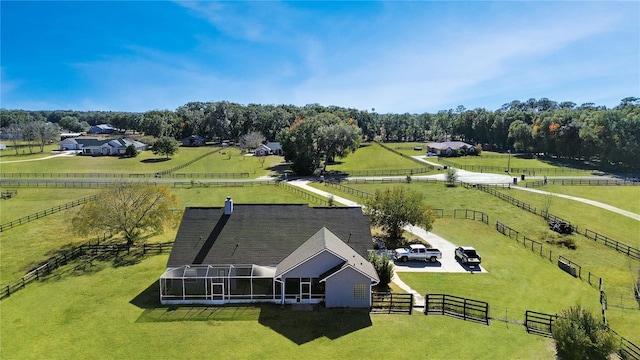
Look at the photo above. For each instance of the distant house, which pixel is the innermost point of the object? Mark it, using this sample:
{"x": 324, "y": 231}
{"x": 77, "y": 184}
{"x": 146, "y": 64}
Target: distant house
{"x": 281, "y": 254}
{"x": 95, "y": 147}
{"x": 270, "y": 148}
{"x": 3, "y": 146}
{"x": 102, "y": 129}
{"x": 451, "y": 148}
{"x": 194, "y": 140}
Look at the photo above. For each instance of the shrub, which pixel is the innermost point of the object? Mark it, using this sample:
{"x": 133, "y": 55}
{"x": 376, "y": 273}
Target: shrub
{"x": 579, "y": 335}
{"x": 383, "y": 267}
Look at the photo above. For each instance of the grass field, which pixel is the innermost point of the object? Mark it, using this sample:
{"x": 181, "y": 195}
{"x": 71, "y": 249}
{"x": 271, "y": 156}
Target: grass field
{"x": 623, "y": 197}
{"x": 227, "y": 160}
{"x": 372, "y": 156}
{"x": 112, "y": 311}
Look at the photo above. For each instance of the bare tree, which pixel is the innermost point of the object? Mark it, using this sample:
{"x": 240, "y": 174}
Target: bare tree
{"x": 14, "y": 132}
{"x": 251, "y": 140}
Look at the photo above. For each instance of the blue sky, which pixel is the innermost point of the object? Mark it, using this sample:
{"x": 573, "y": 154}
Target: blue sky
{"x": 392, "y": 56}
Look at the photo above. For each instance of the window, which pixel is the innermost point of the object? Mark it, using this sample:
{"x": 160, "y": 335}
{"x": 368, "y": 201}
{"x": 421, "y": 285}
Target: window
{"x": 360, "y": 291}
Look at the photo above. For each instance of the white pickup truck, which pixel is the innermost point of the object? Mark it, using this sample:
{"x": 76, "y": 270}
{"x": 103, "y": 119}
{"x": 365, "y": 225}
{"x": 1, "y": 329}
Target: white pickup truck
{"x": 417, "y": 252}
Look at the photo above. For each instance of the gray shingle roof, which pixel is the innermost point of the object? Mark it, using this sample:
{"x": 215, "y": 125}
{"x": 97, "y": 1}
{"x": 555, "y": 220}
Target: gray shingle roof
{"x": 262, "y": 234}
{"x": 325, "y": 240}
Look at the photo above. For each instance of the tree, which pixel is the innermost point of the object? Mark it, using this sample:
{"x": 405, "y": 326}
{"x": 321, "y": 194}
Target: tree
{"x": 131, "y": 151}
{"x": 251, "y": 140}
{"x": 131, "y": 209}
{"x": 579, "y": 335}
{"x": 394, "y": 208}
{"x": 452, "y": 177}
{"x": 383, "y": 267}
{"x": 71, "y": 123}
{"x": 321, "y": 136}
{"x": 165, "y": 146}
{"x": 14, "y": 133}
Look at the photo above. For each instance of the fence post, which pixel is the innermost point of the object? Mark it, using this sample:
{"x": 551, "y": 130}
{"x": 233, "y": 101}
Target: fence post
{"x": 411, "y": 305}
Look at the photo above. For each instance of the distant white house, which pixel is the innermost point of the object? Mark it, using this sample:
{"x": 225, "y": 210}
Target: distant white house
{"x": 3, "y": 146}
{"x": 270, "y": 148}
{"x": 92, "y": 146}
{"x": 450, "y": 148}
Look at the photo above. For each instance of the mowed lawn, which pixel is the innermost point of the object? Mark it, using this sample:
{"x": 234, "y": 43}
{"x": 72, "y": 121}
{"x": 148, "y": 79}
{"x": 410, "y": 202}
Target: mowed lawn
{"x": 372, "y": 156}
{"x": 623, "y": 197}
{"x": 225, "y": 160}
{"x": 113, "y": 314}
{"x": 502, "y": 161}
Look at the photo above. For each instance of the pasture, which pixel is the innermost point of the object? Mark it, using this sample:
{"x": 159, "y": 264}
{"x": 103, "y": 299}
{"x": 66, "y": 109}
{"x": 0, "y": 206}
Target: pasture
{"x": 108, "y": 310}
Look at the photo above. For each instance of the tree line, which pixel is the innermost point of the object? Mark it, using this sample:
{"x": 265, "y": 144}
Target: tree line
{"x": 562, "y": 129}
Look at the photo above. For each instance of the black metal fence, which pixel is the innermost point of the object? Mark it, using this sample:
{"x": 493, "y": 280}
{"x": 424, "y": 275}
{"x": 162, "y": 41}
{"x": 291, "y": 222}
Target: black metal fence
{"x": 515, "y": 170}
{"x": 213, "y": 184}
{"x": 618, "y": 246}
{"x": 323, "y": 201}
{"x": 458, "y": 307}
{"x": 391, "y": 303}
{"x": 390, "y": 172}
{"x": 61, "y": 184}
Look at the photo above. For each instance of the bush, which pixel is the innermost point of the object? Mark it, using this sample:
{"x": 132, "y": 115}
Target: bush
{"x": 579, "y": 335}
{"x": 131, "y": 151}
{"x": 383, "y": 267}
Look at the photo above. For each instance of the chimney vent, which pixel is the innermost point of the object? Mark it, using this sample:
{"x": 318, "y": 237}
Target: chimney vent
{"x": 228, "y": 206}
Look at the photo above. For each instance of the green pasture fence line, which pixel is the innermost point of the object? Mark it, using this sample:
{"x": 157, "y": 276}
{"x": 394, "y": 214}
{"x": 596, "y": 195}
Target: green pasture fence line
{"x": 390, "y": 172}
{"x": 62, "y": 184}
{"x": 41, "y": 214}
{"x": 66, "y": 257}
{"x": 526, "y": 171}
{"x": 399, "y": 153}
{"x": 165, "y": 172}
{"x": 309, "y": 196}
{"x": 618, "y": 246}
{"x": 458, "y": 307}
{"x": 217, "y": 184}
{"x": 348, "y": 190}
{"x": 73, "y": 175}
{"x": 209, "y": 175}
{"x": 391, "y": 303}
{"x": 594, "y": 182}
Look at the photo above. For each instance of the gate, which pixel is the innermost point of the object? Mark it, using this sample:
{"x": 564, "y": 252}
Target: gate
{"x": 539, "y": 323}
{"x": 391, "y": 303}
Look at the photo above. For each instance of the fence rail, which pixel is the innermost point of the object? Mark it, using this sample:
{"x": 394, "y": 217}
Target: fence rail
{"x": 202, "y": 184}
{"x": 594, "y": 182}
{"x": 618, "y": 246}
{"x": 391, "y": 303}
{"x": 307, "y": 195}
{"x": 41, "y": 214}
{"x": 61, "y": 184}
{"x": 390, "y": 172}
{"x": 91, "y": 251}
{"x": 459, "y": 307}
{"x": 516, "y": 170}
{"x": 539, "y": 323}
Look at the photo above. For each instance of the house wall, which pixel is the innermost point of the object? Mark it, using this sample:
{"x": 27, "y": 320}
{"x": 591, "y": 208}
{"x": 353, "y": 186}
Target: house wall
{"x": 339, "y": 289}
{"x": 315, "y": 266}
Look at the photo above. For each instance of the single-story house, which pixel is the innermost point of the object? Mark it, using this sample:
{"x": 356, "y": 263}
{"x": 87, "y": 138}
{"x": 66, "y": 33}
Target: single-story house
{"x": 194, "y": 140}
{"x": 270, "y": 148}
{"x": 92, "y": 146}
{"x": 102, "y": 129}
{"x": 450, "y": 148}
{"x": 273, "y": 253}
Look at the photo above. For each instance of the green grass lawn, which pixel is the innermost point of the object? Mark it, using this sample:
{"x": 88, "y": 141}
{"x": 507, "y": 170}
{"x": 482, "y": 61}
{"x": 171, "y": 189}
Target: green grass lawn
{"x": 372, "y": 156}
{"x": 227, "y": 160}
{"x": 113, "y": 313}
{"x": 501, "y": 161}
{"x": 585, "y": 216}
{"x": 9, "y": 154}
{"x": 623, "y": 197}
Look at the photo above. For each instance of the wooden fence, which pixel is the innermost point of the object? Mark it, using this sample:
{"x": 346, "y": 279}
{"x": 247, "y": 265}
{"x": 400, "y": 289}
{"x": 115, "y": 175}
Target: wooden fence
{"x": 618, "y": 246}
{"x": 391, "y": 303}
{"x": 323, "y": 201}
{"x": 459, "y": 307}
{"x": 539, "y": 323}
{"x": 390, "y": 172}
{"x": 515, "y": 170}
{"x": 41, "y": 214}
{"x": 213, "y": 184}
{"x": 88, "y": 251}
{"x": 61, "y": 184}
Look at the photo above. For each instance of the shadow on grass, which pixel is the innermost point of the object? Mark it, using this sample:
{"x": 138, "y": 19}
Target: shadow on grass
{"x": 281, "y": 168}
{"x": 154, "y": 160}
{"x": 298, "y": 326}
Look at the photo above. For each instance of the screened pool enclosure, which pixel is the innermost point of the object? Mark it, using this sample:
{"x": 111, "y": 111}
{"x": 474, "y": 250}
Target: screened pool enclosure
{"x": 223, "y": 284}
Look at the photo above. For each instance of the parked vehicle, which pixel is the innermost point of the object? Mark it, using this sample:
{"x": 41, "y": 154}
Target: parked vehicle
{"x": 467, "y": 255}
{"x": 417, "y": 252}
